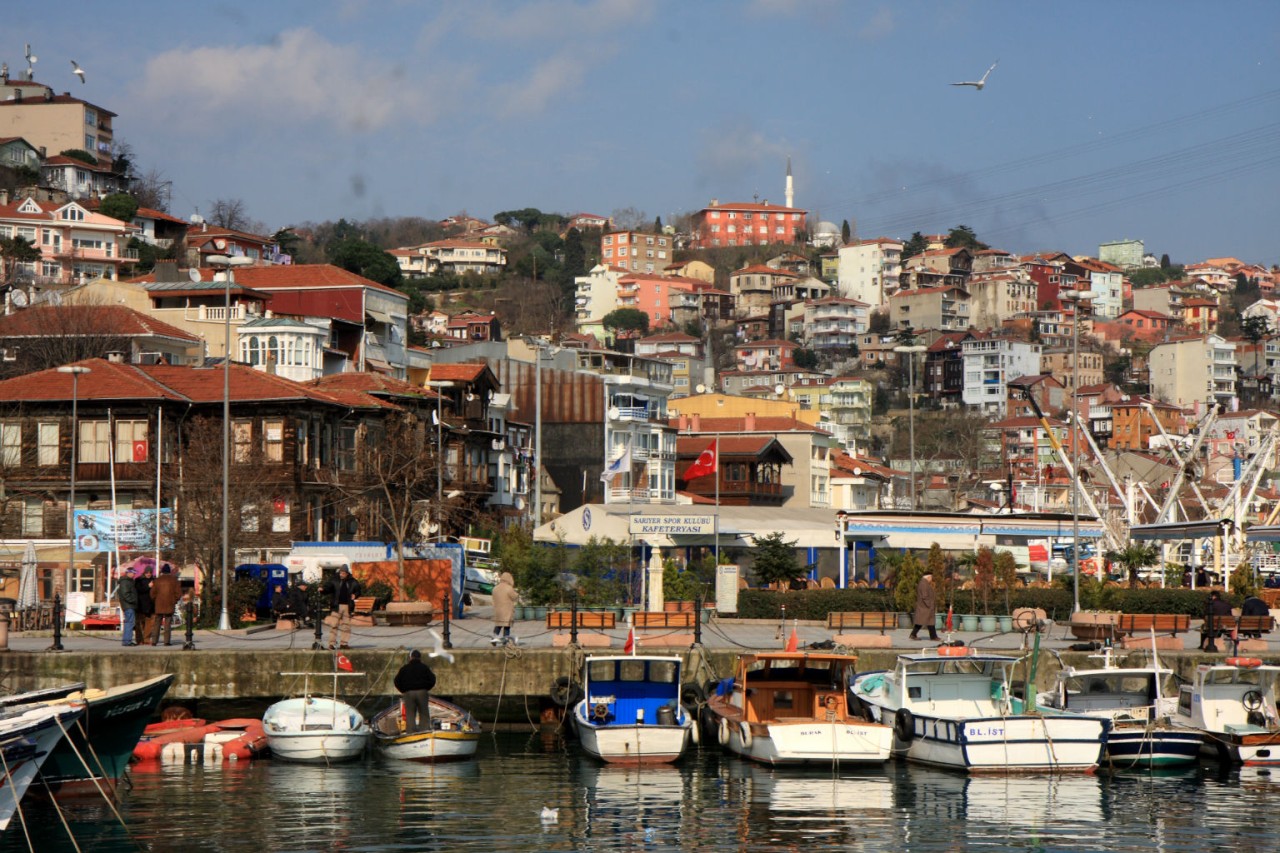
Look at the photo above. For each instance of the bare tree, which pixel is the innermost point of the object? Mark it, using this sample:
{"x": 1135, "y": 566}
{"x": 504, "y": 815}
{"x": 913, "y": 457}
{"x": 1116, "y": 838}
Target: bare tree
{"x": 231, "y": 213}
{"x": 48, "y": 336}
{"x": 152, "y": 189}
{"x": 630, "y": 219}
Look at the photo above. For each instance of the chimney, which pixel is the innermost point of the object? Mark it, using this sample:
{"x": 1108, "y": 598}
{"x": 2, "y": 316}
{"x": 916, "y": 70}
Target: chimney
{"x": 115, "y": 357}
{"x": 682, "y": 424}
{"x": 749, "y": 422}
{"x": 695, "y": 422}
{"x": 4, "y": 196}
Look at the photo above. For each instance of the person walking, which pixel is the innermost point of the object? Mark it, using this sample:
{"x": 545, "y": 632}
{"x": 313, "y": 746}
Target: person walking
{"x": 344, "y": 589}
{"x": 504, "y": 609}
{"x": 165, "y": 593}
{"x": 146, "y": 607}
{"x": 414, "y": 681}
{"x": 926, "y": 612}
{"x": 127, "y": 593}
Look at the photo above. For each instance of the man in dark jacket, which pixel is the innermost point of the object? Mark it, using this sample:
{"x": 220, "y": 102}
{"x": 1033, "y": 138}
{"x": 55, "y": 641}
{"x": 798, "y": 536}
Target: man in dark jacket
{"x": 146, "y": 608}
{"x": 165, "y": 594}
{"x": 1254, "y": 606}
{"x": 127, "y": 592}
{"x": 300, "y": 601}
{"x": 414, "y": 681}
{"x": 344, "y": 590}
{"x": 1217, "y": 619}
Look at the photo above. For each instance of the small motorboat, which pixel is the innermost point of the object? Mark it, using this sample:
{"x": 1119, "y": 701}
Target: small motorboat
{"x": 453, "y": 736}
{"x": 793, "y": 708}
{"x": 316, "y": 729}
{"x": 1140, "y": 702}
{"x": 1233, "y": 705}
{"x": 28, "y": 737}
{"x": 631, "y": 711}
{"x": 952, "y": 707}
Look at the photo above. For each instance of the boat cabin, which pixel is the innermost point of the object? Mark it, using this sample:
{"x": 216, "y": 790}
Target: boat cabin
{"x": 1232, "y": 698}
{"x": 960, "y": 685}
{"x": 633, "y": 689}
{"x": 783, "y": 686}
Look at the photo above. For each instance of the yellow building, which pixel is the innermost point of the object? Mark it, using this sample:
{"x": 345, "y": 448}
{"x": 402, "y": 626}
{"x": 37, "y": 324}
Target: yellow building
{"x": 731, "y": 406}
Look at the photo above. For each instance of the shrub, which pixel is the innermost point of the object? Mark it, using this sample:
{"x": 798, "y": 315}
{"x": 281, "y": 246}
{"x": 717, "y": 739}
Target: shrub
{"x": 811, "y": 603}
{"x": 381, "y": 593}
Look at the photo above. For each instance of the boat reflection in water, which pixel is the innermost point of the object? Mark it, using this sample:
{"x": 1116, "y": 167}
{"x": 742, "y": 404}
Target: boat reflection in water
{"x": 630, "y": 805}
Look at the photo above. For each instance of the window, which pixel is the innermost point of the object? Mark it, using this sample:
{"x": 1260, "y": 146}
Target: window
{"x": 33, "y": 517}
{"x": 73, "y": 214}
{"x": 242, "y": 440}
{"x": 346, "y": 448}
{"x": 249, "y": 518}
{"x": 91, "y": 117}
{"x": 47, "y": 443}
{"x": 10, "y": 444}
{"x": 131, "y": 441}
{"x": 90, "y": 142}
{"x": 273, "y": 440}
{"x": 95, "y": 442}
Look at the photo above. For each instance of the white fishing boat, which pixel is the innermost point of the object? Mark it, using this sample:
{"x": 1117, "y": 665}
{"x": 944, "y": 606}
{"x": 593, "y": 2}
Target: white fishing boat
{"x": 1233, "y": 705}
{"x": 952, "y": 707}
{"x": 631, "y": 711}
{"x": 1139, "y": 701}
{"x": 316, "y": 729}
{"x": 453, "y": 734}
{"x": 27, "y": 739}
{"x": 792, "y": 708}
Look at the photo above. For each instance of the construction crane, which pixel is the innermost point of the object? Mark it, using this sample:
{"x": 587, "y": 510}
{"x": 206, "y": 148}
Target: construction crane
{"x": 1201, "y": 430}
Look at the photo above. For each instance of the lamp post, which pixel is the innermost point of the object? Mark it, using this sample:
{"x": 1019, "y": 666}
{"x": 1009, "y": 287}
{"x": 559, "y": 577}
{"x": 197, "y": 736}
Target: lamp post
{"x": 75, "y": 370}
{"x": 910, "y": 352}
{"x": 228, "y": 264}
{"x": 1075, "y": 297}
{"x": 439, "y": 385}
{"x": 537, "y": 432}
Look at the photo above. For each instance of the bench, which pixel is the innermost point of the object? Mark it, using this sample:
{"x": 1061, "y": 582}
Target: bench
{"x": 1135, "y": 630}
{"x": 362, "y": 611}
{"x": 594, "y": 619}
{"x": 877, "y": 619}
{"x": 1253, "y": 624}
{"x": 662, "y": 619}
{"x": 1249, "y": 631}
{"x": 409, "y": 613}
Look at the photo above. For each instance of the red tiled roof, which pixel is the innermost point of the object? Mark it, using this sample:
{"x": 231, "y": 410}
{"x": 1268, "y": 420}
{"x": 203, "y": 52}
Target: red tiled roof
{"x": 761, "y": 269}
{"x": 78, "y": 320}
{"x": 294, "y": 277}
{"x": 371, "y": 383}
{"x": 690, "y": 446}
{"x": 456, "y": 372}
{"x": 763, "y": 424}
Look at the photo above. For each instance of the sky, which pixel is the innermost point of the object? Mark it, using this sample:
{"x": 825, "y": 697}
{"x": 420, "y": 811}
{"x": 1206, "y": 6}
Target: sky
{"x": 1103, "y": 121}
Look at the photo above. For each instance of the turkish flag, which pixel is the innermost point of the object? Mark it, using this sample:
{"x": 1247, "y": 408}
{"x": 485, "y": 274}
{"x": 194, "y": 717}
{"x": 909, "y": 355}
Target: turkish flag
{"x": 706, "y": 463}
{"x": 629, "y": 648}
{"x": 343, "y": 663}
{"x": 140, "y": 451}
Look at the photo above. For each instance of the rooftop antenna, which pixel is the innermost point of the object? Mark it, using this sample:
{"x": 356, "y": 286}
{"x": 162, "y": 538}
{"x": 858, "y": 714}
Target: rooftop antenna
{"x": 31, "y": 61}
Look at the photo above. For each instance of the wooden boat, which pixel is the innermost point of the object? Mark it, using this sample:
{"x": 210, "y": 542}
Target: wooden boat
{"x": 28, "y": 737}
{"x": 1233, "y": 705}
{"x": 453, "y": 736}
{"x": 631, "y": 711}
{"x": 793, "y": 708}
{"x": 1139, "y": 701}
{"x": 316, "y": 729}
{"x": 952, "y": 707}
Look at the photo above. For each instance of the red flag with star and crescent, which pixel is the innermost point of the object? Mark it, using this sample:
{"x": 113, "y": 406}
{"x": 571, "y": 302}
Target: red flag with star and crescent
{"x": 705, "y": 464}
{"x": 343, "y": 663}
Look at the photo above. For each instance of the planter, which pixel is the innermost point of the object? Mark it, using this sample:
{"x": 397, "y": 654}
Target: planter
{"x": 940, "y": 621}
{"x": 538, "y": 614}
{"x": 677, "y": 606}
{"x": 968, "y": 623}
{"x": 1093, "y": 625}
{"x": 1006, "y": 623}
{"x": 987, "y": 624}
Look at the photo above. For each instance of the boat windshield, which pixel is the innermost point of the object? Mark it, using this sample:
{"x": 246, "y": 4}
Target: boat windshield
{"x": 1109, "y": 683}
{"x": 1234, "y": 676}
{"x": 953, "y": 666}
{"x": 634, "y": 669}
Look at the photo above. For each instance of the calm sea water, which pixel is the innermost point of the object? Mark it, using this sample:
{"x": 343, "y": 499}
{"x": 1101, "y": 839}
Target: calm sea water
{"x": 709, "y": 802}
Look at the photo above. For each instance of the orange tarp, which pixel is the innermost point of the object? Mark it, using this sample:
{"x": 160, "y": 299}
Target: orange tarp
{"x": 424, "y": 580}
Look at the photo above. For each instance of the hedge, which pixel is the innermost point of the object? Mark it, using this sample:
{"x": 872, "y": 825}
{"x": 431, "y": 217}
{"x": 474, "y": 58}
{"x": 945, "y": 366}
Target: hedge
{"x": 1057, "y": 603}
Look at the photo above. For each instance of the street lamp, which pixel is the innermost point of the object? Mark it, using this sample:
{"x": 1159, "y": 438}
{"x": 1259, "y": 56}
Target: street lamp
{"x": 439, "y": 385}
{"x": 1075, "y": 297}
{"x": 75, "y": 370}
{"x": 538, "y": 347}
{"x": 910, "y": 352}
{"x": 228, "y": 264}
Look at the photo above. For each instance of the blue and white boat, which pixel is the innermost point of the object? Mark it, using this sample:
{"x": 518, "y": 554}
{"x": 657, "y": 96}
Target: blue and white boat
{"x": 631, "y": 711}
{"x": 952, "y": 707}
{"x": 28, "y": 737}
{"x": 1139, "y": 702}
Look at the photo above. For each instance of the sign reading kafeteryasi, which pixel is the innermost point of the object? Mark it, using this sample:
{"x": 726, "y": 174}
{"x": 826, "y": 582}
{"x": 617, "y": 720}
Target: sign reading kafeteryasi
{"x": 673, "y": 525}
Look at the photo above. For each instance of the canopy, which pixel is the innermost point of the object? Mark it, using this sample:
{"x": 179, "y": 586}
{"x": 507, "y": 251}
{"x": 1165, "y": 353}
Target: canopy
{"x": 28, "y": 583}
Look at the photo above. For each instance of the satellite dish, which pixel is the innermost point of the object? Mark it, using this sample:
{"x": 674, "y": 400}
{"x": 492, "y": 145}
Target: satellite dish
{"x": 18, "y": 298}
{"x": 614, "y": 413}
{"x": 519, "y": 502}
{"x": 220, "y": 244}
{"x": 779, "y": 388}
{"x": 193, "y": 274}
{"x": 470, "y": 397}
{"x": 702, "y": 389}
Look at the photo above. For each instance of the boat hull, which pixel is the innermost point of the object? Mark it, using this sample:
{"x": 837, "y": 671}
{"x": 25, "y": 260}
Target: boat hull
{"x": 807, "y": 741}
{"x": 1257, "y": 749}
{"x": 1139, "y": 746}
{"x": 638, "y": 744}
{"x": 1003, "y": 744}
{"x": 314, "y": 730}
{"x": 26, "y": 744}
{"x": 312, "y": 748}
{"x": 430, "y": 747}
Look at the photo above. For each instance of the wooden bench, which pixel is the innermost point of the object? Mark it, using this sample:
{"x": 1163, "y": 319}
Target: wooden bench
{"x": 865, "y": 619}
{"x": 1253, "y": 624}
{"x": 593, "y": 619}
{"x": 362, "y": 611}
{"x": 662, "y": 619}
{"x": 1135, "y": 630}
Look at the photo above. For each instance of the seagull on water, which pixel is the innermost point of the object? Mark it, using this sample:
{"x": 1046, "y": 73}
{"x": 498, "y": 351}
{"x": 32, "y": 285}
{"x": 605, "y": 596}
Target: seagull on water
{"x": 77, "y": 70}
{"x": 439, "y": 651}
{"x": 550, "y": 815}
{"x": 979, "y": 84}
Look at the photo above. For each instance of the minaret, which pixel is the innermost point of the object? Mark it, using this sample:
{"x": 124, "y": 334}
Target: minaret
{"x": 791, "y": 190}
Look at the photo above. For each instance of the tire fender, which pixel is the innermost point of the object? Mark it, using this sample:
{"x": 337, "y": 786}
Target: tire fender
{"x": 904, "y": 725}
{"x": 744, "y": 731}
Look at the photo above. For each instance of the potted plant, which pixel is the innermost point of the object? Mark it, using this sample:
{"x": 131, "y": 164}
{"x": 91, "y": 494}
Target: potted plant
{"x": 984, "y": 581}
{"x": 1006, "y": 572}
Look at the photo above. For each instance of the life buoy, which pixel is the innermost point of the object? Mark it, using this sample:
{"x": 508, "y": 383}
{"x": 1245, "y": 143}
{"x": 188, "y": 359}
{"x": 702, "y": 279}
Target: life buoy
{"x": 954, "y": 651}
{"x": 600, "y": 711}
{"x": 831, "y": 701}
{"x": 1244, "y": 662}
{"x": 723, "y": 734}
{"x": 904, "y": 725}
{"x": 744, "y": 731}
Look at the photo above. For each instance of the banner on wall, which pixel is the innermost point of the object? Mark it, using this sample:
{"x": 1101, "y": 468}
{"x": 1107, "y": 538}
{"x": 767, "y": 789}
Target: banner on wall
{"x": 122, "y": 529}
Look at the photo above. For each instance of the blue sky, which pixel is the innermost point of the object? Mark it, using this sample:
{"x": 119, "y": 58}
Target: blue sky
{"x": 1103, "y": 121}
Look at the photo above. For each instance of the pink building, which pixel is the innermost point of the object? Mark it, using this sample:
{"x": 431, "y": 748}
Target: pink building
{"x": 747, "y": 224}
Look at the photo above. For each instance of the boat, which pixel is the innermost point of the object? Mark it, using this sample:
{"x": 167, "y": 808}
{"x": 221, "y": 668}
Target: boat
{"x": 28, "y": 737}
{"x": 1233, "y": 705}
{"x": 630, "y": 712}
{"x": 453, "y": 736}
{"x": 792, "y": 708}
{"x": 316, "y": 729}
{"x": 1140, "y": 704}
{"x": 97, "y": 750}
{"x": 194, "y": 741}
{"x": 952, "y": 707}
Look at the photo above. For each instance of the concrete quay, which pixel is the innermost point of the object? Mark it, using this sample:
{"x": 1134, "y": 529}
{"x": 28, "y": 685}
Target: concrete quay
{"x": 510, "y": 683}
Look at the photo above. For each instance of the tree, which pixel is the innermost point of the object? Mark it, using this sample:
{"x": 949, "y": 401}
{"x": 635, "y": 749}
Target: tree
{"x": 598, "y": 566}
{"x": 80, "y": 154}
{"x": 775, "y": 559}
{"x": 527, "y": 218}
{"x": 906, "y": 580}
{"x": 152, "y": 189}
{"x": 806, "y": 359}
{"x": 984, "y": 576}
{"x": 362, "y": 258}
{"x": 575, "y": 255}
{"x": 535, "y": 568}
{"x": 629, "y": 218}
{"x": 1164, "y": 262}
{"x": 230, "y": 213}
{"x": 1006, "y": 572}
{"x": 657, "y": 225}
{"x": 915, "y": 246}
{"x": 878, "y": 323}
{"x": 120, "y": 206}
{"x": 15, "y": 251}
{"x": 626, "y": 320}
{"x": 845, "y": 232}
{"x": 962, "y": 236}
{"x": 61, "y": 334}
{"x": 1134, "y": 557}
{"x": 288, "y": 241}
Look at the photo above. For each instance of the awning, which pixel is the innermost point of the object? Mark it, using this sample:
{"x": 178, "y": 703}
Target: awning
{"x": 378, "y": 316}
{"x": 1262, "y": 533}
{"x": 1203, "y": 529}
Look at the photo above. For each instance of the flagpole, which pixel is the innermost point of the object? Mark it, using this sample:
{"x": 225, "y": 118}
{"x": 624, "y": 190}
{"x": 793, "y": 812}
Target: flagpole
{"x": 715, "y": 523}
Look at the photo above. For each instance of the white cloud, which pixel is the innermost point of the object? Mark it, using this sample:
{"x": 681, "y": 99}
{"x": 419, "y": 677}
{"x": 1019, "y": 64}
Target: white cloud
{"x": 548, "y": 80}
{"x": 880, "y": 25}
{"x": 561, "y": 21}
{"x": 298, "y": 77}
{"x": 735, "y": 152}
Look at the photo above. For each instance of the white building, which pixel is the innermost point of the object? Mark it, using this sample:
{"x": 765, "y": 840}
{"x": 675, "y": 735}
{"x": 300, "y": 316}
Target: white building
{"x": 283, "y": 346}
{"x": 1186, "y": 372}
{"x": 869, "y": 270}
{"x": 636, "y": 391}
{"x": 595, "y": 295}
{"x": 989, "y": 364}
{"x": 835, "y": 323}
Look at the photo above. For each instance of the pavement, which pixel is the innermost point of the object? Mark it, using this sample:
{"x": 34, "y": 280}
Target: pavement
{"x": 474, "y": 630}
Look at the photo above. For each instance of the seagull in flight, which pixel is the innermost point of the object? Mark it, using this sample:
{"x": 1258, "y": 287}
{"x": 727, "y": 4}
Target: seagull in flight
{"x": 77, "y": 70}
{"x": 439, "y": 651}
{"x": 979, "y": 84}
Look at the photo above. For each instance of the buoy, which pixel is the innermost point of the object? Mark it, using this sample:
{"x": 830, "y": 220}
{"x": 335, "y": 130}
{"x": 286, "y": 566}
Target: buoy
{"x": 723, "y": 734}
{"x": 954, "y": 651}
{"x": 745, "y": 733}
{"x": 1243, "y": 662}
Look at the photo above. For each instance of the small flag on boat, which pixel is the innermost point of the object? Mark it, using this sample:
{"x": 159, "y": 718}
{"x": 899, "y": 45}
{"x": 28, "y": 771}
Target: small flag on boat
{"x": 343, "y": 663}
{"x": 948, "y": 617}
{"x": 793, "y": 642}
{"x": 630, "y": 647}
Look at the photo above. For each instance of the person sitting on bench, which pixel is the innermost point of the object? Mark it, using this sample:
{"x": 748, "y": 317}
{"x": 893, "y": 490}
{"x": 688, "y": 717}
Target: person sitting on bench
{"x": 1254, "y": 606}
{"x": 1217, "y": 620}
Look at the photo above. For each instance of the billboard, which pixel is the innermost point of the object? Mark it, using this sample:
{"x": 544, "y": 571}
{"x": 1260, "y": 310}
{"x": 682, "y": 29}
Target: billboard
{"x": 122, "y": 529}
